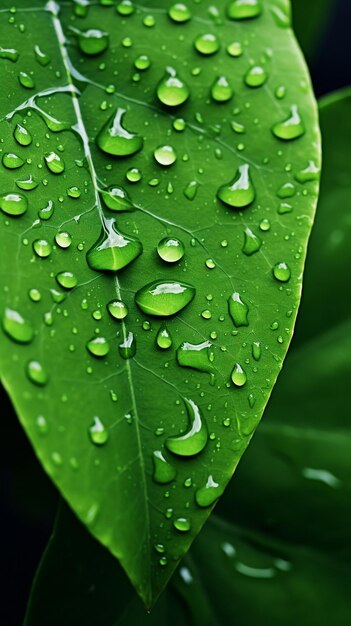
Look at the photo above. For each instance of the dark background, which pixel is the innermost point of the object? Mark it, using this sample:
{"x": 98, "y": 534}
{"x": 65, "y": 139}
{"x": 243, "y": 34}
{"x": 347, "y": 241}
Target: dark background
{"x": 27, "y": 499}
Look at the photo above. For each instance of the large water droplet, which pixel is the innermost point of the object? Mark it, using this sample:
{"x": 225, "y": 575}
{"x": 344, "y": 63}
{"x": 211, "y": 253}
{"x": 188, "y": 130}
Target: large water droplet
{"x": 98, "y": 346}
{"x": 244, "y": 9}
{"x": 12, "y": 161}
{"x": 165, "y": 155}
{"x": 16, "y": 327}
{"x": 164, "y": 298}
{"x": 117, "y": 309}
{"x": 54, "y": 163}
{"x": 164, "y": 339}
{"x": 9, "y": 53}
{"x": 22, "y": 135}
{"x": 28, "y": 184}
{"x": 221, "y": 90}
{"x": 13, "y": 204}
{"x": 171, "y": 90}
{"x": 98, "y": 434}
{"x": 195, "y": 438}
{"x": 207, "y": 44}
{"x": 93, "y": 41}
{"x": 36, "y": 373}
{"x": 113, "y": 250}
{"x": 207, "y": 495}
{"x": 240, "y": 192}
{"x": 196, "y": 356}
{"x": 164, "y": 472}
{"x": 63, "y": 239}
{"x": 179, "y": 13}
{"x": 252, "y": 243}
{"x": 170, "y": 249}
{"x": 114, "y": 139}
{"x": 238, "y": 310}
{"x": 117, "y": 199}
{"x": 291, "y": 128}
{"x": 281, "y": 272}
{"x": 127, "y": 348}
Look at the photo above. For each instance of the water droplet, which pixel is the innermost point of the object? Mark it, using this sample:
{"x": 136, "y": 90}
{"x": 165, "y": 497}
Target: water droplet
{"x": 207, "y": 44}
{"x": 114, "y": 139}
{"x": 190, "y": 190}
{"x": 13, "y": 204}
{"x": 256, "y": 350}
{"x": 117, "y": 309}
{"x": 93, "y": 41}
{"x": 221, "y": 90}
{"x": 179, "y": 13}
{"x": 113, "y": 250}
{"x": 73, "y": 192}
{"x": 41, "y": 425}
{"x": 164, "y": 472}
{"x": 237, "y": 127}
{"x": 26, "y": 80}
{"x": 12, "y": 161}
{"x": 171, "y": 90}
{"x": 179, "y": 124}
{"x": 16, "y": 327}
{"x": 252, "y": 243}
{"x": 67, "y": 280}
{"x": 238, "y": 310}
{"x": 235, "y": 49}
{"x": 239, "y": 377}
{"x": 265, "y": 225}
{"x": 41, "y": 57}
{"x": 281, "y": 272}
{"x": 98, "y": 346}
{"x": 98, "y": 434}
{"x": 125, "y": 8}
{"x": 207, "y": 495}
{"x": 196, "y": 356}
{"x": 165, "y": 155}
{"x": 34, "y": 295}
{"x": 164, "y": 298}
{"x": 63, "y": 239}
{"x": 46, "y": 212}
{"x": 291, "y": 128}
{"x": 54, "y": 163}
{"x": 27, "y": 184}
{"x": 117, "y": 199}
{"x": 127, "y": 348}
{"x": 309, "y": 173}
{"x": 133, "y": 175}
{"x": 22, "y": 135}
{"x": 182, "y": 524}
{"x": 164, "y": 339}
{"x": 194, "y": 440}
{"x": 36, "y": 373}
{"x": 288, "y": 190}
{"x": 9, "y": 53}
{"x": 244, "y": 9}
{"x": 240, "y": 192}
{"x": 256, "y": 76}
{"x": 170, "y": 249}
{"x": 42, "y": 248}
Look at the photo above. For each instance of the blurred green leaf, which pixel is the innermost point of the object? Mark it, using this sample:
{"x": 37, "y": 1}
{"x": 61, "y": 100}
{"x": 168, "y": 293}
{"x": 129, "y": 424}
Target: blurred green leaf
{"x": 278, "y": 550}
{"x": 141, "y": 440}
{"x": 310, "y": 19}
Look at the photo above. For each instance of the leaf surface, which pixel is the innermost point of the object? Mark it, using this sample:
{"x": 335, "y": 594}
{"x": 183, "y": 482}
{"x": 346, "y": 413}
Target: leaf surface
{"x": 166, "y": 168}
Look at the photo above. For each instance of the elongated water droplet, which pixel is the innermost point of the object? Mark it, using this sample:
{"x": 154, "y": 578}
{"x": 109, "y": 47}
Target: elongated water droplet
{"x": 164, "y": 298}
{"x": 194, "y": 440}
{"x": 13, "y": 204}
{"x": 244, "y": 9}
{"x": 27, "y": 184}
{"x": 117, "y": 309}
{"x": 46, "y": 212}
{"x": 164, "y": 472}
{"x": 114, "y": 139}
{"x": 164, "y": 339}
{"x": 117, "y": 199}
{"x": 54, "y": 163}
{"x": 239, "y": 377}
{"x": 207, "y": 495}
{"x": 221, "y": 90}
{"x": 113, "y": 250}
{"x": 42, "y": 248}
{"x": 16, "y": 327}
{"x": 26, "y": 80}
{"x": 179, "y": 13}
{"x": 171, "y": 90}
{"x": 252, "y": 243}
{"x": 240, "y": 192}
{"x": 256, "y": 350}
{"x": 291, "y": 128}
{"x": 22, "y": 135}
{"x": 238, "y": 310}
{"x": 98, "y": 346}
{"x": 281, "y": 272}
{"x": 67, "y": 280}
{"x": 12, "y": 161}
{"x": 196, "y": 356}
{"x": 256, "y": 76}
{"x": 207, "y": 44}
{"x": 9, "y": 53}
{"x": 165, "y": 155}
{"x": 36, "y": 373}
{"x": 170, "y": 249}
{"x": 182, "y": 524}
{"x": 41, "y": 57}
{"x": 127, "y": 348}
{"x": 93, "y": 41}
{"x": 98, "y": 434}
{"x": 309, "y": 173}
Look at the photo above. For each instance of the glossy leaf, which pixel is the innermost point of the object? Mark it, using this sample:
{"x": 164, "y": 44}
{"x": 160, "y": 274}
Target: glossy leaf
{"x": 278, "y": 550}
{"x": 138, "y": 130}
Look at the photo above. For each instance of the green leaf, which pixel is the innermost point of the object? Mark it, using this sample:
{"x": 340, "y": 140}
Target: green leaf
{"x": 159, "y": 183}
{"x": 310, "y": 20}
{"x": 283, "y": 536}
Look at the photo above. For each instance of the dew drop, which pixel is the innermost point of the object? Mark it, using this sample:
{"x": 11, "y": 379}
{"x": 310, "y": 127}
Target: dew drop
{"x": 164, "y": 298}
{"x": 26, "y": 80}
{"x": 252, "y": 243}
{"x": 16, "y": 327}
{"x": 256, "y": 350}
{"x": 238, "y": 310}
{"x": 63, "y": 239}
{"x": 244, "y": 9}
{"x": 179, "y": 13}
{"x": 165, "y": 155}
{"x": 41, "y": 57}
{"x": 42, "y": 248}
{"x": 240, "y": 192}
{"x": 164, "y": 339}
{"x": 117, "y": 309}
{"x": 256, "y": 76}
{"x": 67, "y": 280}
{"x": 171, "y": 90}
{"x": 22, "y": 135}
{"x": 9, "y": 53}
{"x": 46, "y": 212}
{"x": 117, "y": 199}
{"x": 116, "y": 140}
{"x": 127, "y": 348}
{"x": 238, "y": 375}
{"x": 98, "y": 346}
{"x": 170, "y": 249}
{"x": 207, "y": 44}
{"x": 281, "y": 272}
{"x": 98, "y": 434}
{"x": 291, "y": 128}
{"x": 309, "y": 173}
{"x": 125, "y": 8}
{"x": 194, "y": 440}
{"x": 27, "y": 184}
{"x": 182, "y": 524}
{"x": 13, "y": 204}
{"x": 36, "y": 373}
{"x": 190, "y": 190}
{"x": 12, "y": 161}
{"x": 93, "y": 41}
{"x": 142, "y": 62}
{"x": 235, "y": 49}
{"x": 221, "y": 90}
{"x": 207, "y": 495}
{"x": 164, "y": 472}
{"x": 196, "y": 356}
{"x": 54, "y": 163}
{"x": 113, "y": 250}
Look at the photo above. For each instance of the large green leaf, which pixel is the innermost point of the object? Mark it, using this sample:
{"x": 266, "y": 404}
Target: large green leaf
{"x": 280, "y": 553}
{"x": 230, "y": 173}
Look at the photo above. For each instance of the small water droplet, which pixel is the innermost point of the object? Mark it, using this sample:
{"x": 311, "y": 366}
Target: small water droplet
{"x": 244, "y": 9}
{"x": 16, "y": 327}
{"x": 171, "y": 90}
{"x": 67, "y": 280}
{"x": 238, "y": 310}
{"x": 182, "y": 524}
{"x": 235, "y": 49}
{"x": 98, "y": 346}
{"x": 309, "y": 173}
{"x": 179, "y": 13}
{"x": 164, "y": 339}
{"x": 194, "y": 440}
{"x": 41, "y": 57}
{"x": 281, "y": 272}
{"x": 98, "y": 434}
{"x": 92, "y": 41}
{"x": 252, "y": 243}
{"x": 164, "y": 472}
{"x": 207, "y": 44}
{"x": 239, "y": 377}
{"x": 256, "y": 350}
{"x": 54, "y": 163}
{"x": 207, "y": 495}
{"x": 240, "y": 192}
{"x": 113, "y": 250}
{"x": 9, "y": 53}
{"x": 117, "y": 199}
{"x": 117, "y": 309}
{"x": 63, "y": 239}
{"x": 36, "y": 373}
{"x": 164, "y": 298}
{"x": 22, "y": 135}
{"x": 127, "y": 348}
{"x": 125, "y": 8}
{"x": 170, "y": 249}
{"x": 116, "y": 140}
{"x": 291, "y": 128}
{"x": 221, "y": 90}
{"x": 46, "y": 212}
{"x": 190, "y": 190}
{"x": 256, "y": 76}
{"x": 26, "y": 80}
{"x": 165, "y": 155}
{"x": 42, "y": 248}
{"x": 28, "y": 184}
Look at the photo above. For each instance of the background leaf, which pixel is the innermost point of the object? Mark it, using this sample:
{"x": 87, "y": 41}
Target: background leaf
{"x": 281, "y": 532}
{"x": 105, "y": 420}
{"x": 310, "y": 20}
